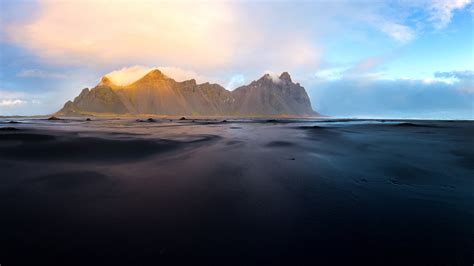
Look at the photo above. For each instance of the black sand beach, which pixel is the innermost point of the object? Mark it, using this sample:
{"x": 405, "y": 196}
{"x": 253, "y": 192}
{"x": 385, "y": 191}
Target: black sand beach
{"x": 240, "y": 192}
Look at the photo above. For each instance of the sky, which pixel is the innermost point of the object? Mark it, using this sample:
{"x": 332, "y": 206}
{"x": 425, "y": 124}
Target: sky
{"x": 370, "y": 58}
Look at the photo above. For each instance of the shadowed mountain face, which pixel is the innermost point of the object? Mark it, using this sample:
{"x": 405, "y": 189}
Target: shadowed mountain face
{"x": 158, "y": 94}
{"x": 271, "y": 96}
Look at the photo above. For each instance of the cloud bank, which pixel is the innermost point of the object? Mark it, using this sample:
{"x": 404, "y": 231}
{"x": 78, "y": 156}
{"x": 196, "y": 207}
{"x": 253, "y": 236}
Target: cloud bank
{"x": 103, "y": 31}
{"x": 193, "y": 35}
{"x": 396, "y": 98}
{"x": 11, "y": 102}
{"x": 207, "y": 34}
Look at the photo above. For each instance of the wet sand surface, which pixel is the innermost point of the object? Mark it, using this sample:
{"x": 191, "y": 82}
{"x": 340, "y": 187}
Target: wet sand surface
{"x": 240, "y": 192}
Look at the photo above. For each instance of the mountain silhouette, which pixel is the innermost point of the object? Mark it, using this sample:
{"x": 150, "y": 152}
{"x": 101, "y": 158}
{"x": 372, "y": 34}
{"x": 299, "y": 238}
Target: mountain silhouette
{"x": 157, "y": 94}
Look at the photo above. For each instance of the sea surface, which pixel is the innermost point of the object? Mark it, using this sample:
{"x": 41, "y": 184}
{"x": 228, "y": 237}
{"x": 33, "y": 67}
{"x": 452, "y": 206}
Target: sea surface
{"x": 116, "y": 191}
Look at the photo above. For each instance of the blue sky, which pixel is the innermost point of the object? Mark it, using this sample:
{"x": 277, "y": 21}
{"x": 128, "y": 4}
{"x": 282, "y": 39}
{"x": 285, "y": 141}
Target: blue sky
{"x": 355, "y": 58}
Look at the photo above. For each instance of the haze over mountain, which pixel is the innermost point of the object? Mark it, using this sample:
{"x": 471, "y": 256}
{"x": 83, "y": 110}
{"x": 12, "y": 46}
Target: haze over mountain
{"x": 158, "y": 94}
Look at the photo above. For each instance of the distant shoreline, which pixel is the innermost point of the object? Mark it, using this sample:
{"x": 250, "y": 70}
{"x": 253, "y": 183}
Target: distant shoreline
{"x": 279, "y": 118}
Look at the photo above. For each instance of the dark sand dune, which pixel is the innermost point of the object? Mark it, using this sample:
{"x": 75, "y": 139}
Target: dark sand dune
{"x": 111, "y": 192}
{"x": 83, "y": 149}
{"x": 279, "y": 144}
{"x": 43, "y": 147}
{"x": 6, "y": 129}
{"x": 406, "y": 124}
{"x": 26, "y": 137}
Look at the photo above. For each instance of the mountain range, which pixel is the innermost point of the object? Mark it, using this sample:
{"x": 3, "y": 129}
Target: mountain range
{"x": 157, "y": 94}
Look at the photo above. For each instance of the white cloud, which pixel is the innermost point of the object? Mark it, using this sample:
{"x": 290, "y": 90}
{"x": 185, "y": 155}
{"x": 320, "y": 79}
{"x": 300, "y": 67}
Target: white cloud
{"x": 367, "y": 65}
{"x": 8, "y": 94}
{"x": 273, "y": 76}
{"x": 192, "y": 35}
{"x": 206, "y": 36}
{"x": 366, "y": 68}
{"x": 11, "y": 102}
{"x": 199, "y": 35}
{"x": 38, "y": 73}
{"x": 128, "y": 75}
{"x": 235, "y": 81}
{"x": 429, "y": 97}
{"x": 331, "y": 73}
{"x": 14, "y": 100}
{"x": 114, "y": 31}
{"x": 441, "y": 11}
{"x": 465, "y": 79}
{"x": 180, "y": 74}
{"x": 396, "y": 18}
{"x": 398, "y": 32}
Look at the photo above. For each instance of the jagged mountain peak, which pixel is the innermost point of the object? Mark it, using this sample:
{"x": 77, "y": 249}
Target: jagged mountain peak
{"x": 155, "y": 93}
{"x": 285, "y": 76}
{"x": 153, "y": 75}
{"x": 152, "y": 78}
{"x": 190, "y": 81}
{"x": 105, "y": 81}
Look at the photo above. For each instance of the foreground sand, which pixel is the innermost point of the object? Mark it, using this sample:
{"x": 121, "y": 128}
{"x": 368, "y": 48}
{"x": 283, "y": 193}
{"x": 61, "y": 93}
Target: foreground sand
{"x": 238, "y": 192}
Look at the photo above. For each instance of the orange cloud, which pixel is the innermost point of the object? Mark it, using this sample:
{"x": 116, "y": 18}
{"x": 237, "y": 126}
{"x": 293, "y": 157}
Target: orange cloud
{"x": 114, "y": 31}
{"x": 128, "y": 75}
{"x": 193, "y": 35}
